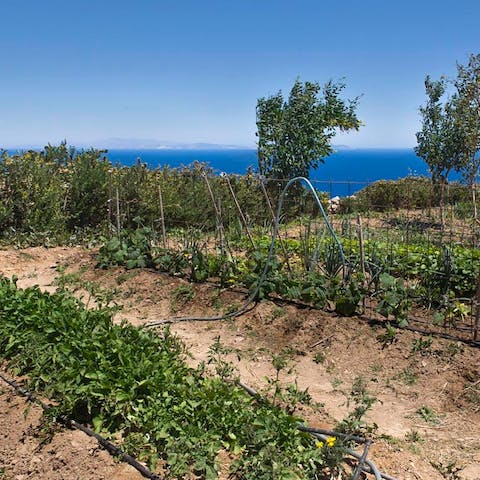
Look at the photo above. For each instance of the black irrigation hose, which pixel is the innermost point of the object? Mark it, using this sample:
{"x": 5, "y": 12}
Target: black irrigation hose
{"x": 106, "y": 444}
{"x": 253, "y": 296}
{"x": 364, "y": 465}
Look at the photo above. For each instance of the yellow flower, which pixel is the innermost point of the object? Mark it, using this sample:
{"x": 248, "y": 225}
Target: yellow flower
{"x": 319, "y": 444}
{"x": 331, "y": 441}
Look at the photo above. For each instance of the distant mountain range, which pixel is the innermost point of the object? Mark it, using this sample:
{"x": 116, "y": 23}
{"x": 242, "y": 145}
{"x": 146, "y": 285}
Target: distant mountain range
{"x": 150, "y": 144}
{"x": 115, "y": 143}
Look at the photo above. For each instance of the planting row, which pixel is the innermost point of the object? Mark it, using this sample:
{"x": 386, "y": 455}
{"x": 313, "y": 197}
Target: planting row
{"x": 134, "y": 385}
{"x": 395, "y": 276}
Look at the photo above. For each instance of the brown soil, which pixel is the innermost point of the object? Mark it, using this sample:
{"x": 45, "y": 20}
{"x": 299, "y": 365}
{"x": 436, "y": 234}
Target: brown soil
{"x": 427, "y": 409}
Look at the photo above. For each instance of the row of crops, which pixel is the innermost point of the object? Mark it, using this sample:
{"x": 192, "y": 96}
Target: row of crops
{"x": 134, "y": 385}
{"x": 392, "y": 279}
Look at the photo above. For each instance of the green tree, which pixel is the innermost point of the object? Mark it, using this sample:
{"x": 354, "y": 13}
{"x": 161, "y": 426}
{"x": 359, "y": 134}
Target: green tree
{"x": 439, "y": 141}
{"x": 295, "y": 135}
{"x": 467, "y": 117}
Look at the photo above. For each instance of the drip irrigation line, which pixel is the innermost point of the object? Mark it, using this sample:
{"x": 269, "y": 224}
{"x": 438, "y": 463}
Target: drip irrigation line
{"x": 64, "y": 420}
{"x": 361, "y": 461}
{"x": 253, "y": 296}
{"x": 364, "y": 465}
{"x": 446, "y": 336}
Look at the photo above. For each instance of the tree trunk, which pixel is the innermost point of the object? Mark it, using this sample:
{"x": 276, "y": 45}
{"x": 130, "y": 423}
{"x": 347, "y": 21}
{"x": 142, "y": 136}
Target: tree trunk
{"x": 442, "y": 204}
{"x": 474, "y": 200}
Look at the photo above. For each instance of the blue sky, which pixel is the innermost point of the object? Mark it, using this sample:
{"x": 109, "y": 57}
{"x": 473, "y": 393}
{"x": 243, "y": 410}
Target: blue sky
{"x": 192, "y": 71}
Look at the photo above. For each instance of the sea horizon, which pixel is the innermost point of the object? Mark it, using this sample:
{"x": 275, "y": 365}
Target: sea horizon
{"x": 343, "y": 173}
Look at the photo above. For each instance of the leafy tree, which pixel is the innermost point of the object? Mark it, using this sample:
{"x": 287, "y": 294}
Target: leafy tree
{"x": 295, "y": 135}
{"x": 439, "y": 141}
{"x": 61, "y": 154}
{"x": 467, "y": 117}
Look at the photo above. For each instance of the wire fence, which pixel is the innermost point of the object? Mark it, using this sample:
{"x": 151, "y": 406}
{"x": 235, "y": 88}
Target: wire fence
{"x": 418, "y": 264}
{"x": 411, "y": 246}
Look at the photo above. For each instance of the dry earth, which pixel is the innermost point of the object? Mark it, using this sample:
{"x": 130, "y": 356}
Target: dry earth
{"x": 428, "y": 424}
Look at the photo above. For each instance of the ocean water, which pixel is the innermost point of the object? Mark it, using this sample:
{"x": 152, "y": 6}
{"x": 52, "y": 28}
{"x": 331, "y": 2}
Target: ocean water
{"x": 343, "y": 173}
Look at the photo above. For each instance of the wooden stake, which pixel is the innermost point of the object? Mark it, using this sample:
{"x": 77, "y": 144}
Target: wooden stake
{"x": 218, "y": 215}
{"x": 360, "y": 246}
{"x": 240, "y": 212}
{"x": 117, "y": 204}
{"x": 162, "y": 217}
{"x": 272, "y": 213}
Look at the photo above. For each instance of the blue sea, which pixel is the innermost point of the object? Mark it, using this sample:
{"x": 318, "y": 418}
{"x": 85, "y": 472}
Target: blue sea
{"x": 343, "y": 173}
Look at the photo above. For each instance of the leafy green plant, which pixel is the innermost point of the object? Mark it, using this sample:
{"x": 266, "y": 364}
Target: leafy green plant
{"x": 422, "y": 346}
{"x": 355, "y": 422}
{"x": 133, "y": 250}
{"x": 388, "y": 337}
{"x": 135, "y": 385}
{"x": 394, "y": 299}
{"x": 428, "y": 414}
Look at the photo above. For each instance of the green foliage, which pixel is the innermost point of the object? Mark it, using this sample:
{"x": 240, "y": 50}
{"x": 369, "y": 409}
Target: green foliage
{"x": 136, "y": 385}
{"x": 355, "y": 421}
{"x": 394, "y": 300}
{"x": 388, "y": 337}
{"x": 422, "y": 346}
{"x": 133, "y": 250}
{"x": 466, "y": 114}
{"x": 409, "y": 193}
{"x": 294, "y": 135}
{"x": 347, "y": 296}
{"x": 439, "y": 139}
{"x": 428, "y": 414}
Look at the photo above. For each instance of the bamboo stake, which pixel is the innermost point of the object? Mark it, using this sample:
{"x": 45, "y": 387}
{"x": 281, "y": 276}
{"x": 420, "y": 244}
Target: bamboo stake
{"x": 240, "y": 212}
{"x": 162, "y": 217}
{"x": 218, "y": 216}
{"x": 362, "y": 254}
{"x": 361, "y": 246}
{"x": 117, "y": 204}
{"x": 272, "y": 213}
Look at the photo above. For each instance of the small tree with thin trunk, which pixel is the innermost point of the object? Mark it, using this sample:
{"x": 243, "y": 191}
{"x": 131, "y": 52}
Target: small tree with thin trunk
{"x": 295, "y": 135}
{"x": 466, "y": 113}
{"x": 439, "y": 141}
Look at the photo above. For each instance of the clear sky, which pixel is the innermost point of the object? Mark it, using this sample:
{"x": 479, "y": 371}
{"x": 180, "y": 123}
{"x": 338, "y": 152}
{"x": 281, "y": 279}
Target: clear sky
{"x": 191, "y": 71}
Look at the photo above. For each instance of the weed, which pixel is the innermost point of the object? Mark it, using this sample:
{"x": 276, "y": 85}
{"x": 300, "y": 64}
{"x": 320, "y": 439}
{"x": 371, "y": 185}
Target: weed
{"x": 407, "y": 376}
{"x": 336, "y": 382}
{"x": 182, "y": 295}
{"x": 363, "y": 401}
{"x": 319, "y": 358}
{"x": 413, "y": 436}
{"x": 428, "y": 414}
{"x": 414, "y": 439}
{"x": 454, "y": 349}
{"x": 422, "y": 346}
{"x": 449, "y": 469}
{"x": 388, "y": 337}
{"x": 278, "y": 312}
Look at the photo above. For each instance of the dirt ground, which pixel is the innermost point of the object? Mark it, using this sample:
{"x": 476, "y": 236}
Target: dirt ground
{"x": 427, "y": 405}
